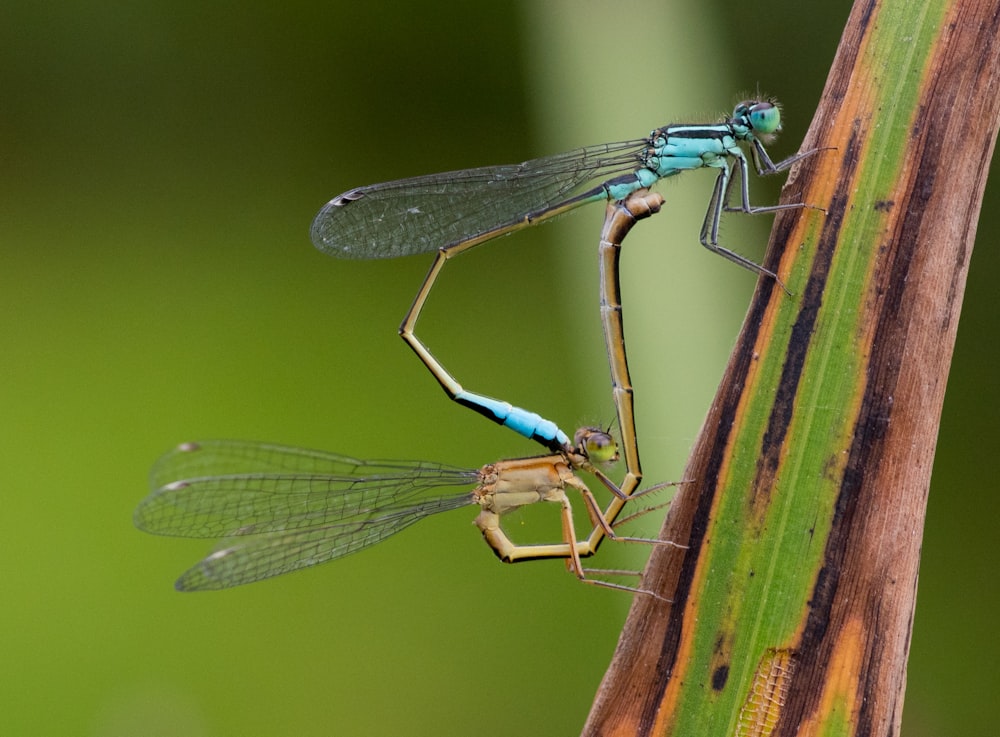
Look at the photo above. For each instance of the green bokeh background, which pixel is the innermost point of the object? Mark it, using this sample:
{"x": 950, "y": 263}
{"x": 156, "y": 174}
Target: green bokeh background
{"x": 161, "y": 163}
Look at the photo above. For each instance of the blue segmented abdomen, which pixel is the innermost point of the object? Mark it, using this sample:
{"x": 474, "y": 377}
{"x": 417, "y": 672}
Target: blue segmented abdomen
{"x": 529, "y": 424}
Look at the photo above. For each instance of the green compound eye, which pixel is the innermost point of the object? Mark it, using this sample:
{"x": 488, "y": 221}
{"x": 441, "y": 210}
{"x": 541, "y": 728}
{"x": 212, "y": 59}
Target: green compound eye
{"x": 764, "y": 117}
{"x": 597, "y": 445}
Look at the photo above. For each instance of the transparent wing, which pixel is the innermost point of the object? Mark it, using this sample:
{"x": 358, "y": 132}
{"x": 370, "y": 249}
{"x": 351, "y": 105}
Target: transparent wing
{"x": 242, "y": 560}
{"x": 285, "y": 507}
{"x": 424, "y": 213}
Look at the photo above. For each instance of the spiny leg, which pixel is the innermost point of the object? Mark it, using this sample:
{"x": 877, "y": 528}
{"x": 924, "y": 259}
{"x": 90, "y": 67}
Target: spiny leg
{"x": 719, "y": 202}
{"x": 573, "y": 563}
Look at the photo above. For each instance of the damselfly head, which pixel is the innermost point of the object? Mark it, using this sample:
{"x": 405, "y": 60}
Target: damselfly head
{"x": 596, "y": 444}
{"x": 761, "y": 117}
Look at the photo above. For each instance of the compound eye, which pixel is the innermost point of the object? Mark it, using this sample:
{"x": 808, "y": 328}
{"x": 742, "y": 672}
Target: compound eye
{"x": 764, "y": 117}
{"x": 597, "y": 445}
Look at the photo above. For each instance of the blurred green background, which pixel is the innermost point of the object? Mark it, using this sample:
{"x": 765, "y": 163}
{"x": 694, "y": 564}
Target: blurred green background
{"x": 161, "y": 163}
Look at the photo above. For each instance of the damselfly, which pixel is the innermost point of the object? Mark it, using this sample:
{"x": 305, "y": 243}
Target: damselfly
{"x": 455, "y": 211}
{"x": 278, "y": 508}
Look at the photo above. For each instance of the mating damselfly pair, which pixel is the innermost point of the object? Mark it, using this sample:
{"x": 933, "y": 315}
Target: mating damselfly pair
{"x": 278, "y": 509}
